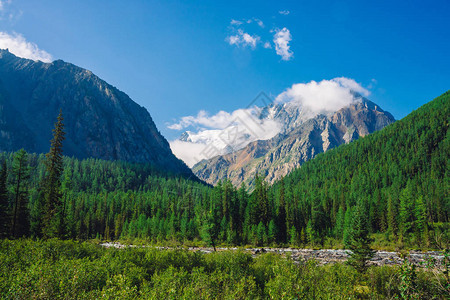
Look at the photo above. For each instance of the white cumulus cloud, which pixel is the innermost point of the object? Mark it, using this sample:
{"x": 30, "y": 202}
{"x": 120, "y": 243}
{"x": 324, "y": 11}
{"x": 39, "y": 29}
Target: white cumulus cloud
{"x": 281, "y": 39}
{"x": 235, "y": 22}
{"x": 284, "y": 12}
{"x": 243, "y": 39}
{"x": 225, "y": 132}
{"x": 323, "y": 96}
{"x": 352, "y": 85}
{"x": 187, "y": 151}
{"x": 18, "y": 45}
{"x": 221, "y": 133}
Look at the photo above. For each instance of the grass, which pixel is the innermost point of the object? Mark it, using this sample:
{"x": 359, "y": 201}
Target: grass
{"x": 57, "y": 269}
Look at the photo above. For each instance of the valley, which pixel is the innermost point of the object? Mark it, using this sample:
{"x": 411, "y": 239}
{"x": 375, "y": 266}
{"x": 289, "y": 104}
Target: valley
{"x": 224, "y": 150}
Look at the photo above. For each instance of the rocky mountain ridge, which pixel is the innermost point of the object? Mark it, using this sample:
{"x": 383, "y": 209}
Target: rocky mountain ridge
{"x": 307, "y": 137}
{"x": 100, "y": 120}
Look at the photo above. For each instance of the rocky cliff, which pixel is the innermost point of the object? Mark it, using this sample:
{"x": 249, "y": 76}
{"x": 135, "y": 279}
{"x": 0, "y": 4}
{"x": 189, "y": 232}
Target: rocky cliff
{"x": 100, "y": 121}
{"x": 304, "y": 138}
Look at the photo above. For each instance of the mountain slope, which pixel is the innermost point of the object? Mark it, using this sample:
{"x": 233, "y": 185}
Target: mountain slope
{"x": 286, "y": 151}
{"x": 100, "y": 121}
{"x": 399, "y": 175}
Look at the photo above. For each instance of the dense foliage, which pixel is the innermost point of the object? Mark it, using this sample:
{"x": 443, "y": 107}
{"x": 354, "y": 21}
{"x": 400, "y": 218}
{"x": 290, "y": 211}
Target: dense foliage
{"x": 399, "y": 175}
{"x": 56, "y": 269}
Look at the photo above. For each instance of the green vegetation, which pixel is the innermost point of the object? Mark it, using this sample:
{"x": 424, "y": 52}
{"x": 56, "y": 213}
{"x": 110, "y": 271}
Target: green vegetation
{"x": 55, "y": 269}
{"x": 398, "y": 176}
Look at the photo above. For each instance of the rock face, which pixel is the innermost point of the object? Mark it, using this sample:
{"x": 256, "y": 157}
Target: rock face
{"x": 100, "y": 121}
{"x": 303, "y": 139}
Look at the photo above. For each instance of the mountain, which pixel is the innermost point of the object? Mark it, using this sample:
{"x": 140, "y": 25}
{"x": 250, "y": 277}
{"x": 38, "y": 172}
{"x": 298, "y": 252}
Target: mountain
{"x": 398, "y": 176}
{"x": 303, "y": 137}
{"x": 100, "y": 121}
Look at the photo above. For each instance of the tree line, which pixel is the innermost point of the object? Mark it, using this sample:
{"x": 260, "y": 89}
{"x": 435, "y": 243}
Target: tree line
{"x": 393, "y": 183}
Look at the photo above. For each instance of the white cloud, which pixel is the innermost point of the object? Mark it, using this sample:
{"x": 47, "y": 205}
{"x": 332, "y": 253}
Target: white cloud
{"x": 250, "y": 40}
{"x": 284, "y": 12}
{"x": 243, "y": 39}
{"x": 324, "y": 96}
{"x": 225, "y": 132}
{"x": 3, "y": 4}
{"x": 281, "y": 39}
{"x": 235, "y": 22}
{"x": 19, "y": 46}
{"x": 187, "y": 151}
{"x": 352, "y": 85}
{"x": 259, "y": 22}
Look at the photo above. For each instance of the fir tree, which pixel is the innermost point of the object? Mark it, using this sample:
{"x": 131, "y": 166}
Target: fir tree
{"x": 54, "y": 215}
{"x": 20, "y": 171}
{"x": 391, "y": 216}
{"x": 5, "y": 221}
{"x": 406, "y": 211}
{"x": 360, "y": 241}
{"x": 421, "y": 221}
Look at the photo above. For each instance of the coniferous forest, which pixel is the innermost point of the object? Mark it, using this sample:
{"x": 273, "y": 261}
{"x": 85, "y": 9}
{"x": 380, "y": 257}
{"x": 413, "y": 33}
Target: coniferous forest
{"x": 388, "y": 190}
{"x": 397, "y": 178}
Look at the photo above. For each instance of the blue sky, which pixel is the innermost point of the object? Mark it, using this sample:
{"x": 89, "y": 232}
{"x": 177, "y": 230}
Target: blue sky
{"x": 175, "y": 57}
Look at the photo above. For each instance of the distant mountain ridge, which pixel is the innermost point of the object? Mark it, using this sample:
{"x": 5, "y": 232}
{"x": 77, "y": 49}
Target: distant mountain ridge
{"x": 100, "y": 121}
{"x": 303, "y": 138}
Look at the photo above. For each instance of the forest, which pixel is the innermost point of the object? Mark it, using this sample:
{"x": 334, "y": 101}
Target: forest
{"x": 397, "y": 179}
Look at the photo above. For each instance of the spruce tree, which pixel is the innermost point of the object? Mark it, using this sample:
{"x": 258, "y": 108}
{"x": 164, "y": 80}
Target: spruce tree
{"x": 281, "y": 215}
{"x": 5, "y": 220}
{"x": 360, "y": 241}
{"x": 20, "y": 171}
{"x": 53, "y": 221}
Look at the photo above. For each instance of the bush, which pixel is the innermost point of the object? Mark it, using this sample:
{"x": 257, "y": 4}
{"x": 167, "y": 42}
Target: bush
{"x": 56, "y": 269}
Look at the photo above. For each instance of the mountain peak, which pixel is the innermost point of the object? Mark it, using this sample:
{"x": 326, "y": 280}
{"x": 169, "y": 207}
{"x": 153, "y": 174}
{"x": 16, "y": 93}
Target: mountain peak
{"x": 100, "y": 120}
{"x": 303, "y": 137}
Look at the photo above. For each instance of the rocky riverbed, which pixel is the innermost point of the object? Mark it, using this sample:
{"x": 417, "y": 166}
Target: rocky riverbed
{"x": 322, "y": 256}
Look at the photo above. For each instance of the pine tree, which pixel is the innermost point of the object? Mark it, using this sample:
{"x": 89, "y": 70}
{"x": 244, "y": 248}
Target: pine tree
{"x": 392, "y": 218}
{"x": 406, "y": 211}
{"x": 54, "y": 215}
{"x": 360, "y": 241}
{"x": 261, "y": 234}
{"x": 261, "y": 200}
{"x": 5, "y": 220}
{"x": 340, "y": 222}
{"x": 20, "y": 171}
{"x": 272, "y": 232}
{"x": 281, "y": 214}
{"x": 421, "y": 221}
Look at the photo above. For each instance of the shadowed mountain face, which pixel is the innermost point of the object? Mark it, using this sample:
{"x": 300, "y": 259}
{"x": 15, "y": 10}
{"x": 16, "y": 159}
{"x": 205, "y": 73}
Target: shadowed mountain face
{"x": 286, "y": 151}
{"x": 100, "y": 121}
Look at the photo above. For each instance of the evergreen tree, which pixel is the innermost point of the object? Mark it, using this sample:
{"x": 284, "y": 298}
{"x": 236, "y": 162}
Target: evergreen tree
{"x": 360, "y": 241}
{"x": 392, "y": 218}
{"x": 209, "y": 231}
{"x": 261, "y": 200}
{"x": 20, "y": 171}
{"x": 347, "y": 226}
{"x": 406, "y": 211}
{"x": 281, "y": 214}
{"x": 272, "y": 232}
{"x": 261, "y": 234}
{"x": 421, "y": 221}
{"x": 5, "y": 220}
{"x": 54, "y": 215}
